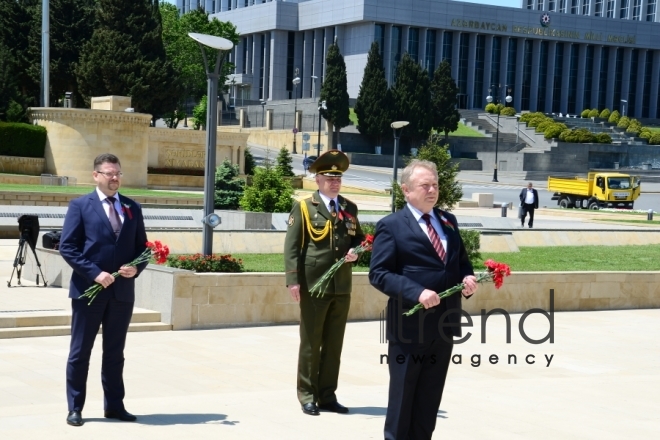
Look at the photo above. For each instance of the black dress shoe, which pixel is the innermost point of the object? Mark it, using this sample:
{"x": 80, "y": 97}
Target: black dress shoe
{"x": 310, "y": 409}
{"x": 122, "y": 415}
{"x": 334, "y": 407}
{"x": 74, "y": 418}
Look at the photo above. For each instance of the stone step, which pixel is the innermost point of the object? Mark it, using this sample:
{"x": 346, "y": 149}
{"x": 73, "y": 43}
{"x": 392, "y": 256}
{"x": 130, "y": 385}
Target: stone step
{"x": 26, "y": 319}
{"x": 64, "y": 330}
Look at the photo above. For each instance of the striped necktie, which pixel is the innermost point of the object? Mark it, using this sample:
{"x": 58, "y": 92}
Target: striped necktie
{"x": 435, "y": 240}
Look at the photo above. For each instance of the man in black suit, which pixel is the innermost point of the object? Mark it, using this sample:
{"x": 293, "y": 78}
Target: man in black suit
{"x": 529, "y": 200}
{"x": 418, "y": 253}
{"x": 103, "y": 231}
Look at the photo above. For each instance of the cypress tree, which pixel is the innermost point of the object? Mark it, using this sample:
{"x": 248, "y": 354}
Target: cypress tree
{"x": 412, "y": 100}
{"x": 374, "y": 102}
{"x": 284, "y": 163}
{"x": 335, "y": 91}
{"x": 125, "y": 56}
{"x": 444, "y": 100}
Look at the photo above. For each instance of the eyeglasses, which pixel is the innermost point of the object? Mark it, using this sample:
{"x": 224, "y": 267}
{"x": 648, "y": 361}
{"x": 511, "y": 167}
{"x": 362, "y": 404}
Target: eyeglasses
{"x": 111, "y": 175}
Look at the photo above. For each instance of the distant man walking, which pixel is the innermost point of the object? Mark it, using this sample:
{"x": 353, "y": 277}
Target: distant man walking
{"x": 529, "y": 200}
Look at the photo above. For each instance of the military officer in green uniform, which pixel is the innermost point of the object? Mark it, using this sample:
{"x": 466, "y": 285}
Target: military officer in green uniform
{"x": 322, "y": 229}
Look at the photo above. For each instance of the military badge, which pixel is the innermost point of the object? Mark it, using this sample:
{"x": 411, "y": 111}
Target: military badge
{"x": 291, "y": 220}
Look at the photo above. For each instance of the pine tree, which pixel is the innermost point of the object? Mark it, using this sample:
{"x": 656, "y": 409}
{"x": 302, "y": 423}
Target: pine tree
{"x": 250, "y": 163}
{"x": 228, "y": 187}
{"x": 125, "y": 56}
{"x": 374, "y": 102}
{"x": 335, "y": 91}
{"x": 17, "y": 19}
{"x": 270, "y": 192}
{"x": 412, "y": 100}
{"x": 284, "y": 163}
{"x": 444, "y": 100}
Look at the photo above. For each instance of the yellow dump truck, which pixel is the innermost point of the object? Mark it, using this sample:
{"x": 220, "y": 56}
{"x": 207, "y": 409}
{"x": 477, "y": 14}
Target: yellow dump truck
{"x": 598, "y": 190}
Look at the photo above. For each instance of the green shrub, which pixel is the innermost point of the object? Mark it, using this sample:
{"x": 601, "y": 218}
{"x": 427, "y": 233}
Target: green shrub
{"x": 228, "y": 187}
{"x": 585, "y": 136}
{"x": 491, "y": 108}
{"x": 603, "y": 138}
{"x": 364, "y": 259}
{"x": 605, "y": 113}
{"x": 23, "y": 140}
{"x": 508, "y": 111}
{"x": 199, "y": 114}
{"x": 206, "y": 263}
{"x": 655, "y": 139}
{"x": 564, "y": 134}
{"x": 284, "y": 162}
{"x": 536, "y": 120}
{"x": 614, "y": 117}
{"x": 634, "y": 128}
{"x": 645, "y": 134}
{"x": 585, "y": 113}
{"x": 471, "y": 240}
{"x": 624, "y": 122}
{"x": 593, "y": 113}
{"x": 553, "y": 131}
{"x": 544, "y": 125}
{"x": 270, "y": 192}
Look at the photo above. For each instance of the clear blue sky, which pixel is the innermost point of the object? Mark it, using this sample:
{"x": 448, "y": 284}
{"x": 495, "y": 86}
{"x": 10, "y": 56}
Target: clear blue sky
{"x": 511, "y": 3}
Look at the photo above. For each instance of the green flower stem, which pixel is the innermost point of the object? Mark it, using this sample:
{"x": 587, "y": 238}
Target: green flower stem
{"x": 322, "y": 284}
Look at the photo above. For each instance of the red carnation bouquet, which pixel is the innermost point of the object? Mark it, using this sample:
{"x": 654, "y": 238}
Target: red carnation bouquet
{"x": 495, "y": 273}
{"x": 155, "y": 249}
{"x": 319, "y": 288}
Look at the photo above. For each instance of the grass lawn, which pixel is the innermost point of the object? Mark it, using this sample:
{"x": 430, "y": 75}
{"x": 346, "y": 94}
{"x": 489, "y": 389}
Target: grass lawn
{"x": 637, "y": 222}
{"x": 654, "y": 128}
{"x": 353, "y": 117}
{"x": 530, "y": 259}
{"x": 465, "y": 131}
{"x": 88, "y": 188}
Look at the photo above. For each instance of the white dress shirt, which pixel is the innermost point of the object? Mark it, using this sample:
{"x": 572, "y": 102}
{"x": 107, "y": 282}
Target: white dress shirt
{"x": 435, "y": 222}
{"x": 327, "y": 199}
{"x": 106, "y": 207}
{"x": 529, "y": 198}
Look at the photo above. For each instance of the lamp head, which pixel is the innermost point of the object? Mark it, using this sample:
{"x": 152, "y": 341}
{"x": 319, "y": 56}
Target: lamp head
{"x": 296, "y": 80}
{"x": 508, "y": 98}
{"x": 399, "y": 124}
{"x": 489, "y": 99}
{"x": 212, "y": 220}
{"x": 212, "y": 41}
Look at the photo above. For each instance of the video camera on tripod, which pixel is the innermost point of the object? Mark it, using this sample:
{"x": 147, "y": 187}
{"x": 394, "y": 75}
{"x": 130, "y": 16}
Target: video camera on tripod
{"x": 28, "y": 225}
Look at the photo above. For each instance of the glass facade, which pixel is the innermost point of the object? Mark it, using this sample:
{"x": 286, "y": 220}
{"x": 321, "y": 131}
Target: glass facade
{"x": 598, "y": 8}
{"x": 575, "y": 6}
{"x": 262, "y": 66}
{"x": 562, "y": 6}
{"x": 543, "y": 77}
{"x": 585, "y": 7}
{"x": 463, "y": 56}
{"x": 395, "y": 53}
{"x": 650, "y": 10}
{"x": 618, "y": 79}
{"x": 602, "y": 80}
{"x": 379, "y": 37}
{"x": 610, "y": 8}
{"x": 290, "y": 54}
{"x": 625, "y": 6}
{"x": 479, "y": 72}
{"x": 556, "y": 81}
{"x": 572, "y": 79}
{"x": 632, "y": 88}
{"x": 551, "y": 5}
{"x": 447, "y": 43}
{"x": 588, "y": 77}
{"x": 429, "y": 56}
{"x": 648, "y": 74}
{"x": 413, "y": 43}
{"x": 637, "y": 10}
{"x": 512, "y": 54}
{"x": 496, "y": 61}
{"x": 527, "y": 75}
{"x": 245, "y": 55}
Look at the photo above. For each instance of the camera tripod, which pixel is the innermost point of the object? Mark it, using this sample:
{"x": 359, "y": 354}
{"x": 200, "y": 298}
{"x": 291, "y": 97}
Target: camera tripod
{"x": 19, "y": 261}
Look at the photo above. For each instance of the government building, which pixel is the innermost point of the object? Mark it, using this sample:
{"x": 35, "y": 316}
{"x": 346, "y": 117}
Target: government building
{"x": 558, "y": 56}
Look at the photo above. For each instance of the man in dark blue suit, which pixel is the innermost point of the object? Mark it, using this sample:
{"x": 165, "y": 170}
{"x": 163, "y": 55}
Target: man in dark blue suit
{"x": 103, "y": 231}
{"x": 418, "y": 253}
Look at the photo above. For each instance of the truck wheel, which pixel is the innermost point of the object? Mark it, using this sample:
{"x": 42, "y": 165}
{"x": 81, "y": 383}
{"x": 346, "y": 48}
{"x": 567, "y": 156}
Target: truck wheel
{"x": 563, "y": 203}
{"x": 593, "y": 206}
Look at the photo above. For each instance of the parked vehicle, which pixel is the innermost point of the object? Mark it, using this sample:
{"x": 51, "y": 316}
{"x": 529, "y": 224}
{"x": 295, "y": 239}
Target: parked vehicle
{"x": 598, "y": 190}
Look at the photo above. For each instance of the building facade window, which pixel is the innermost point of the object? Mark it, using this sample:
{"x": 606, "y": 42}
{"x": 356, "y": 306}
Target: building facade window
{"x": 290, "y": 54}
{"x": 648, "y": 74}
{"x": 413, "y": 43}
{"x": 572, "y": 79}
{"x": 650, "y": 10}
{"x": 463, "y": 55}
{"x": 539, "y": 5}
{"x": 527, "y": 75}
{"x": 618, "y": 79}
{"x": 632, "y": 88}
{"x": 429, "y": 52}
{"x": 575, "y": 6}
{"x": 511, "y": 63}
{"x": 562, "y": 6}
{"x": 602, "y": 82}
{"x": 447, "y": 43}
{"x": 637, "y": 10}
{"x": 379, "y": 37}
{"x": 530, "y": 4}
{"x": 496, "y": 60}
{"x": 556, "y": 81}
{"x": 543, "y": 77}
{"x": 624, "y": 9}
{"x": 551, "y": 5}
{"x": 598, "y": 8}
{"x": 610, "y": 8}
{"x": 395, "y": 53}
{"x": 585, "y": 7}
{"x": 477, "y": 102}
{"x": 262, "y": 66}
{"x": 245, "y": 55}
{"x": 588, "y": 77}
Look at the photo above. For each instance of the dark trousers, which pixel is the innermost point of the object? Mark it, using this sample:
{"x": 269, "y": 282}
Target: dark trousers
{"x": 527, "y": 208}
{"x": 322, "y": 326}
{"x": 86, "y": 320}
{"x": 417, "y": 379}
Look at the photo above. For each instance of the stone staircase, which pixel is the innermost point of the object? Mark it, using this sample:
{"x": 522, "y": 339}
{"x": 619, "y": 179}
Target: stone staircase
{"x": 471, "y": 119}
{"x": 37, "y": 323}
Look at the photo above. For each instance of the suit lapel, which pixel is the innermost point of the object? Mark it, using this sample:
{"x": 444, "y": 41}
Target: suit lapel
{"x": 419, "y": 234}
{"x": 98, "y": 208}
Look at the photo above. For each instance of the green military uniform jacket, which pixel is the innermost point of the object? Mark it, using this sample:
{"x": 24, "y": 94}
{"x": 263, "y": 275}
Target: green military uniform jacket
{"x": 306, "y": 259}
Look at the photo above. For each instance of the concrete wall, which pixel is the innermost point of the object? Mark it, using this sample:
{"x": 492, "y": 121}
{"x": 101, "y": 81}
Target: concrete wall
{"x": 54, "y": 199}
{"x": 32, "y": 166}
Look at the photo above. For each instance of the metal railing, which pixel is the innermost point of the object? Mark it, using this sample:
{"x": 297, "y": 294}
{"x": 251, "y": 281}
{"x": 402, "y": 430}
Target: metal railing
{"x": 51, "y": 180}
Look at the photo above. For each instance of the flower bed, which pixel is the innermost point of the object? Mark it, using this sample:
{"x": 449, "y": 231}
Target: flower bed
{"x": 206, "y": 263}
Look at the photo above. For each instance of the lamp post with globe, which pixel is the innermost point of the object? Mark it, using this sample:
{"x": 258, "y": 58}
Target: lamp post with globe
{"x": 494, "y": 98}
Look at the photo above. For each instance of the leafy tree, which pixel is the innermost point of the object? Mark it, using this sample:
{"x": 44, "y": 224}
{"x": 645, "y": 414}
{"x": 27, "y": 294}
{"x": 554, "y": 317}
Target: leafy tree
{"x": 335, "y": 91}
{"x": 444, "y": 100}
{"x": 8, "y": 87}
{"x": 450, "y": 191}
{"x": 270, "y": 192}
{"x": 250, "y": 164}
{"x": 17, "y": 20}
{"x": 374, "y": 102}
{"x": 284, "y": 163}
{"x": 412, "y": 100}
{"x": 228, "y": 187}
{"x": 199, "y": 113}
{"x": 125, "y": 56}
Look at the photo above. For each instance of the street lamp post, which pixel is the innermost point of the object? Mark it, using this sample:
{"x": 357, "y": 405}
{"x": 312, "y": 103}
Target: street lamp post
{"x": 396, "y": 128}
{"x": 624, "y": 102}
{"x": 45, "y": 53}
{"x": 314, "y": 78}
{"x": 295, "y": 82}
{"x": 263, "y": 113}
{"x": 318, "y": 146}
{"x": 222, "y": 46}
{"x": 494, "y": 97}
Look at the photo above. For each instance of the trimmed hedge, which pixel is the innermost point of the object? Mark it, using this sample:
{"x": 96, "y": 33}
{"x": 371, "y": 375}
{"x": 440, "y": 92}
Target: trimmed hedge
{"x": 614, "y": 117}
{"x": 655, "y": 139}
{"x": 22, "y": 140}
{"x": 175, "y": 171}
{"x": 508, "y": 111}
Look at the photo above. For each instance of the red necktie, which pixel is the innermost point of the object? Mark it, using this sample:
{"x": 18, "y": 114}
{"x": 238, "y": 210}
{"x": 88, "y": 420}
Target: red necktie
{"x": 435, "y": 240}
{"x": 115, "y": 221}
